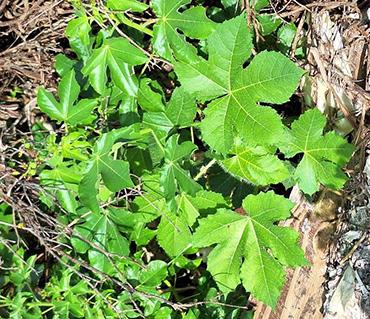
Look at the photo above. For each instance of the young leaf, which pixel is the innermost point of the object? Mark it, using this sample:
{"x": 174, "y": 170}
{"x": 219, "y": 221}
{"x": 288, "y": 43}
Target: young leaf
{"x": 65, "y": 110}
{"x": 255, "y": 165}
{"x": 323, "y": 155}
{"x": 270, "y": 77}
{"x": 117, "y": 54}
{"x": 192, "y": 22}
{"x": 265, "y": 247}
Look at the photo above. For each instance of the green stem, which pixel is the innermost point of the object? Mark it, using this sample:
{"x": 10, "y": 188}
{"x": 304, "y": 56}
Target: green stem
{"x": 135, "y": 25}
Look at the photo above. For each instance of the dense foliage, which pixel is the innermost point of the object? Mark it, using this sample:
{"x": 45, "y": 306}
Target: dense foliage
{"x": 160, "y": 172}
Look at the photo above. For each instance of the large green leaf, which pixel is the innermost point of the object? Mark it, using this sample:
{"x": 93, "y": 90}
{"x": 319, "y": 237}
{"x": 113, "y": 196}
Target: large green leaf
{"x": 323, "y": 155}
{"x": 66, "y": 110}
{"x": 250, "y": 247}
{"x": 270, "y": 77}
{"x": 101, "y": 231}
{"x": 119, "y": 55}
{"x": 192, "y": 22}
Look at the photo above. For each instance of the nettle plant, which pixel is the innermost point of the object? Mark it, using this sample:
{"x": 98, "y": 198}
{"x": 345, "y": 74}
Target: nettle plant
{"x": 171, "y": 143}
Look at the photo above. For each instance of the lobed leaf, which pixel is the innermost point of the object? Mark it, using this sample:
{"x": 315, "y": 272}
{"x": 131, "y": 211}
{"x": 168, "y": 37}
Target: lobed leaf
{"x": 270, "y": 77}
{"x": 324, "y": 155}
{"x": 251, "y": 247}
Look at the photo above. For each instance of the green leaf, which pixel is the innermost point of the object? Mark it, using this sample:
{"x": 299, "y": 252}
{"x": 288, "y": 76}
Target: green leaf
{"x": 154, "y": 273}
{"x": 173, "y": 176}
{"x": 117, "y": 54}
{"x": 62, "y": 182}
{"x": 181, "y": 108}
{"x": 49, "y": 105}
{"x": 100, "y": 230}
{"x": 81, "y": 114}
{"x": 265, "y": 247}
{"x": 269, "y": 23}
{"x": 270, "y": 77}
{"x": 115, "y": 173}
{"x": 66, "y": 110}
{"x": 124, "y": 5}
{"x": 286, "y": 34}
{"x": 323, "y": 155}
{"x": 190, "y": 207}
{"x": 148, "y": 99}
{"x": 255, "y": 165}
{"x": 63, "y": 64}
{"x": 78, "y": 34}
{"x": 258, "y": 5}
{"x": 173, "y": 234}
{"x": 192, "y": 22}
{"x": 179, "y": 111}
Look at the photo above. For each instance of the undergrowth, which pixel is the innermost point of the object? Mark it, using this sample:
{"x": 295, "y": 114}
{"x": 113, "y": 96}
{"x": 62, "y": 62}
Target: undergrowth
{"x": 158, "y": 175}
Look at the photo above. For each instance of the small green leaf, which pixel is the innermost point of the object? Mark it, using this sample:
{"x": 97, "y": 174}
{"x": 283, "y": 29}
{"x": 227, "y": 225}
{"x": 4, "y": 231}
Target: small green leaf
{"x": 148, "y": 99}
{"x": 258, "y": 5}
{"x": 65, "y": 110}
{"x": 78, "y": 34}
{"x": 180, "y": 110}
{"x": 115, "y": 54}
{"x": 115, "y": 173}
{"x": 269, "y": 23}
{"x": 81, "y": 113}
{"x": 99, "y": 229}
{"x": 323, "y": 155}
{"x": 48, "y": 104}
{"x": 192, "y": 22}
{"x": 63, "y": 64}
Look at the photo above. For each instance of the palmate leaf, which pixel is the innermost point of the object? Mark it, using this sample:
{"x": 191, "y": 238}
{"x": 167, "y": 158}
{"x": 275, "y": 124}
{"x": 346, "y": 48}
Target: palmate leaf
{"x": 250, "y": 247}
{"x": 66, "y": 110}
{"x": 192, "y": 22}
{"x": 323, "y": 155}
{"x": 270, "y": 77}
{"x": 119, "y": 55}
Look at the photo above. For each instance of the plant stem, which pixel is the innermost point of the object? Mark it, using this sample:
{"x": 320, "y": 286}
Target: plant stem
{"x": 135, "y": 25}
{"x": 204, "y": 169}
